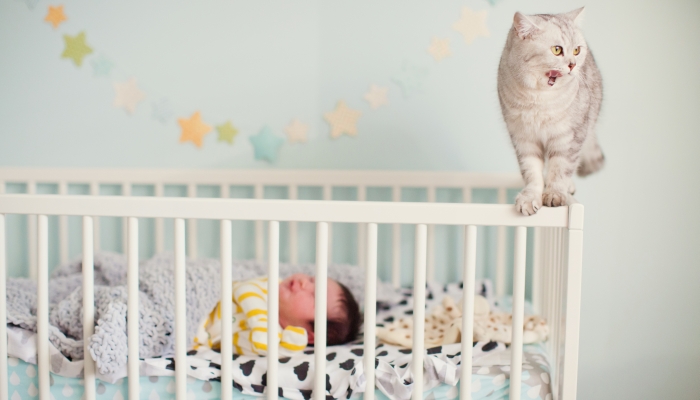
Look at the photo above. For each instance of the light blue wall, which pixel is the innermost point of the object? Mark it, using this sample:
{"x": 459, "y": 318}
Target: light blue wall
{"x": 263, "y": 63}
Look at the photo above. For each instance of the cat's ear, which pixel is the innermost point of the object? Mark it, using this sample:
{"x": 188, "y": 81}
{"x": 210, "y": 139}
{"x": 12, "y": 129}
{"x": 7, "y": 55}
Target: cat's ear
{"x": 524, "y": 26}
{"x": 576, "y": 15}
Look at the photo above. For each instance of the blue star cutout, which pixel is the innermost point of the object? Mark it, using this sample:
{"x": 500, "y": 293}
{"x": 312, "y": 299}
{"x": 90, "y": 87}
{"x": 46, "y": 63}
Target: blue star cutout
{"x": 162, "y": 110}
{"x": 30, "y": 3}
{"x": 410, "y": 78}
{"x": 493, "y": 2}
{"x": 266, "y": 145}
{"x": 102, "y": 66}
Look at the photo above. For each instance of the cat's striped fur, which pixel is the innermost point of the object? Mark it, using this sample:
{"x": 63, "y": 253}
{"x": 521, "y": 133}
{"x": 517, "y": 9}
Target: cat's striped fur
{"x": 550, "y": 104}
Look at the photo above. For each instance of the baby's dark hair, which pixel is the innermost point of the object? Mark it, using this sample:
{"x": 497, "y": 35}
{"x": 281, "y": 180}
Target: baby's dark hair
{"x": 346, "y": 330}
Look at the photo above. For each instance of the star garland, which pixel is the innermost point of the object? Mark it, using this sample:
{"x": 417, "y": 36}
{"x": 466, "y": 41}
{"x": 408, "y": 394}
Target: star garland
{"x": 342, "y": 120}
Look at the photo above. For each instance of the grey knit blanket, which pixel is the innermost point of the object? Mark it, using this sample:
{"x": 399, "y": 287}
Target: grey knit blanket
{"x": 108, "y": 346}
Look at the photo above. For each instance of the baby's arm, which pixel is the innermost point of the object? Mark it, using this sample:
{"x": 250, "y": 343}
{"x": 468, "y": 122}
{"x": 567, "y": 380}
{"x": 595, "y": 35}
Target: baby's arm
{"x": 252, "y": 297}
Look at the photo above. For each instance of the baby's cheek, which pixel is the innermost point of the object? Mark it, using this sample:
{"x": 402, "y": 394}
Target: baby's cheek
{"x": 297, "y": 306}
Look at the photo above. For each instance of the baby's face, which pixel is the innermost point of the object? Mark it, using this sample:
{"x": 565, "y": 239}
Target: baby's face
{"x": 298, "y": 299}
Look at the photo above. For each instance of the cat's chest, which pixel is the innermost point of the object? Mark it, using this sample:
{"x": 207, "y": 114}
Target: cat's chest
{"x": 542, "y": 111}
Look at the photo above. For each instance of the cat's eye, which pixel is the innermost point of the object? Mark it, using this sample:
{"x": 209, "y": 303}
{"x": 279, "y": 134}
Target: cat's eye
{"x": 557, "y": 50}
{"x": 577, "y": 50}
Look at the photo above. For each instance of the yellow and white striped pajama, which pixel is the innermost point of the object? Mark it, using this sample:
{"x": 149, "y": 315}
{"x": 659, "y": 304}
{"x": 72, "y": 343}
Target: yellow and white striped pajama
{"x": 249, "y": 323}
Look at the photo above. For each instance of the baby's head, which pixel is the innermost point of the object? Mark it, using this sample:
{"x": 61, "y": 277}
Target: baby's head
{"x": 297, "y": 302}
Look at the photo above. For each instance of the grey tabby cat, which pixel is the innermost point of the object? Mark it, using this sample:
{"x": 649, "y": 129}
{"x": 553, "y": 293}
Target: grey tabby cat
{"x": 550, "y": 91}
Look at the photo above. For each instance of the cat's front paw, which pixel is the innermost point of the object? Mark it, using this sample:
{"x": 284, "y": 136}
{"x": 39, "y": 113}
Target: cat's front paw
{"x": 528, "y": 202}
{"x": 554, "y": 198}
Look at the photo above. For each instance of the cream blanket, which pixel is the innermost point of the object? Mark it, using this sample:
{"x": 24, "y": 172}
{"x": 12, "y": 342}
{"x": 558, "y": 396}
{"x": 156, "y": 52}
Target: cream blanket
{"x": 444, "y": 326}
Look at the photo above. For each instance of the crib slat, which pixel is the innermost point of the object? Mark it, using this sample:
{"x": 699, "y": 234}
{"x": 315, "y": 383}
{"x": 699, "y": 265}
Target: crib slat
{"x": 554, "y": 322}
{"x": 320, "y": 311}
{"x": 293, "y": 231}
{"x": 468, "y": 310}
{"x": 370, "y": 309}
{"x": 226, "y": 311}
{"x": 328, "y": 196}
{"x": 554, "y": 264}
{"x": 63, "y": 227}
{"x": 557, "y": 323}
{"x": 516, "y": 361}
{"x": 160, "y": 225}
{"x": 95, "y": 191}
{"x": 180, "y": 308}
{"x": 396, "y": 244}
{"x": 361, "y": 231}
{"x": 549, "y": 248}
{"x": 192, "y": 226}
{"x": 4, "y": 394}
{"x": 88, "y": 307}
{"x": 259, "y": 233}
{"x": 31, "y": 231}
{"x": 132, "y": 305}
{"x": 126, "y": 191}
{"x": 432, "y": 197}
{"x": 537, "y": 271}
{"x": 501, "y": 251}
{"x": 466, "y": 194}
{"x": 419, "y": 310}
{"x": 273, "y": 295}
{"x": 42, "y": 312}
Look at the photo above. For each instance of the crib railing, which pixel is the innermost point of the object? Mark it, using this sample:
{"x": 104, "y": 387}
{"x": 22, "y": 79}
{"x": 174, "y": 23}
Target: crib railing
{"x": 259, "y": 180}
{"x": 567, "y": 221}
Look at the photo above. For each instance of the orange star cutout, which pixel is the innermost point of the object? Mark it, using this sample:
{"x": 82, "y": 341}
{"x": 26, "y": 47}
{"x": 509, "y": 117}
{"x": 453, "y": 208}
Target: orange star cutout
{"x": 193, "y": 129}
{"x": 55, "y": 16}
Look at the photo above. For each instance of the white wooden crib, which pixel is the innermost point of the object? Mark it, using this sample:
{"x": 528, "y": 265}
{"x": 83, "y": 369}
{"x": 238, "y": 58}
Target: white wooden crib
{"x": 557, "y": 265}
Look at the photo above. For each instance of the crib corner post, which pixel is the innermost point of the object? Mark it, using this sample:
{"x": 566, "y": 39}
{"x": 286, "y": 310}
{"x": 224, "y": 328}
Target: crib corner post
{"x": 574, "y": 263}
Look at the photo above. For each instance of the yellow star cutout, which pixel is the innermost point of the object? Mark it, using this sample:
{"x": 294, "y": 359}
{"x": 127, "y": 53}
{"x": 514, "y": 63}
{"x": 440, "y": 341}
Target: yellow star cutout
{"x": 472, "y": 24}
{"x": 193, "y": 129}
{"x": 439, "y": 48}
{"x": 342, "y": 120}
{"x": 227, "y": 132}
{"x": 76, "y": 48}
{"x": 55, "y": 16}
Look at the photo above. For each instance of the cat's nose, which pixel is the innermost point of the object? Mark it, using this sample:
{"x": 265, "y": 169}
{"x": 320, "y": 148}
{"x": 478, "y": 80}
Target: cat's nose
{"x": 571, "y": 66}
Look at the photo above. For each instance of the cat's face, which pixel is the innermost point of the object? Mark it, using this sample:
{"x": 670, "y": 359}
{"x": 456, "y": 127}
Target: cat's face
{"x": 550, "y": 48}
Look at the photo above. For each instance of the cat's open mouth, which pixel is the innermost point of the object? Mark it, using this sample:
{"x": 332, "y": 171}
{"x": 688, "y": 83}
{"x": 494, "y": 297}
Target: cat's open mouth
{"x": 553, "y": 75}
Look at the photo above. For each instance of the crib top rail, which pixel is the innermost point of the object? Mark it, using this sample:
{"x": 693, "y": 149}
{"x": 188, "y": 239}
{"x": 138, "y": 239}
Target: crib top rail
{"x": 291, "y": 210}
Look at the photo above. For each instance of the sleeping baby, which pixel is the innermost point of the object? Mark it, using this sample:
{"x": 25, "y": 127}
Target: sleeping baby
{"x": 296, "y": 316}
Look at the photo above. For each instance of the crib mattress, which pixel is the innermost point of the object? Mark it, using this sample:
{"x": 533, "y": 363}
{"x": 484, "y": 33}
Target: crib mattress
{"x": 487, "y": 383}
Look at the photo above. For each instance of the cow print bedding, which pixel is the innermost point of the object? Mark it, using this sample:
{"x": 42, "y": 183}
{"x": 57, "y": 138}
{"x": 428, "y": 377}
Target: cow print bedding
{"x": 344, "y": 364}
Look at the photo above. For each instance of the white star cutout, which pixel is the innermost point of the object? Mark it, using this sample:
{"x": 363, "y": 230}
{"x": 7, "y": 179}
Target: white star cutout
{"x": 472, "y": 24}
{"x": 410, "y": 79}
{"x": 377, "y": 96}
{"x": 296, "y": 131}
{"x": 439, "y": 48}
{"x": 128, "y": 95}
